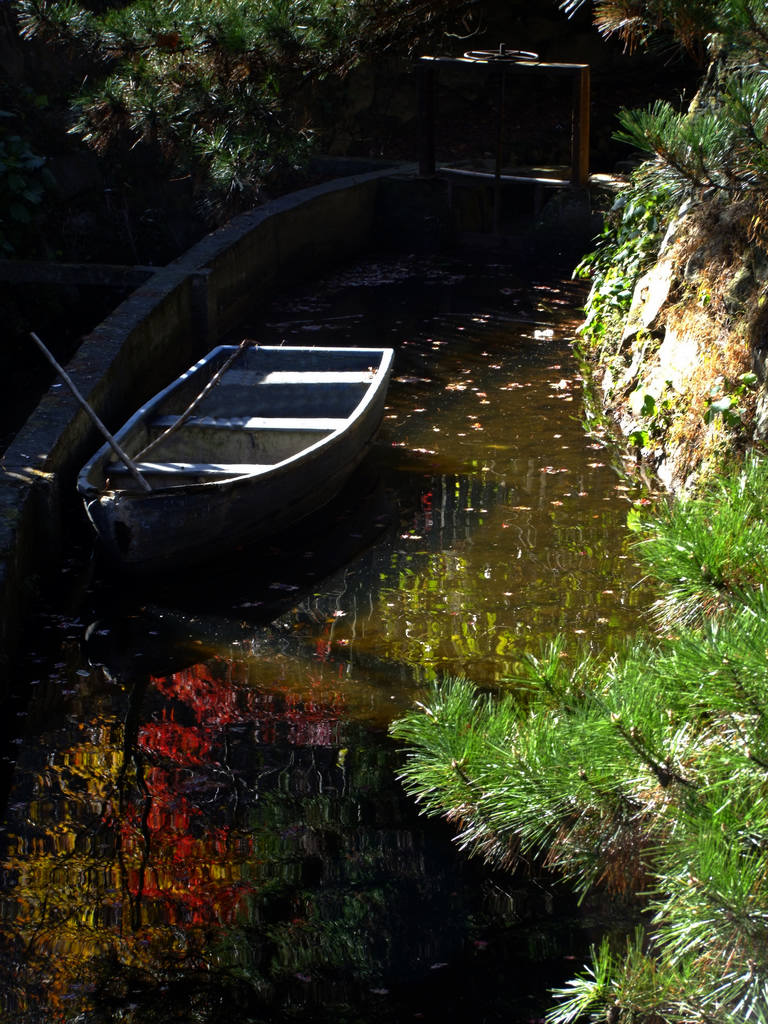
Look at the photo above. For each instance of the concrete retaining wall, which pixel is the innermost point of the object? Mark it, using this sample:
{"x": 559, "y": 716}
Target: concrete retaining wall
{"x": 160, "y": 330}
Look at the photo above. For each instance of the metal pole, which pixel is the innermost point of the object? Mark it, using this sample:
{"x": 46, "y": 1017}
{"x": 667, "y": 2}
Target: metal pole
{"x": 499, "y": 156}
{"x": 427, "y": 75}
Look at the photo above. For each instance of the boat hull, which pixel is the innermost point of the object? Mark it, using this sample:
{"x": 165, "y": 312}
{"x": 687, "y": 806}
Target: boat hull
{"x": 181, "y": 524}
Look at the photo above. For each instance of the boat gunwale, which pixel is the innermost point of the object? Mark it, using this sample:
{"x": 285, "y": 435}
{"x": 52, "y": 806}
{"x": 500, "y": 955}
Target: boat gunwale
{"x": 90, "y": 491}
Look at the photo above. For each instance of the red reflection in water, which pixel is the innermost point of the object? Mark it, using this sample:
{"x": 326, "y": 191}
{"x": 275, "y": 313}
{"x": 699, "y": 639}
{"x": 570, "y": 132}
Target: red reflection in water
{"x": 218, "y": 703}
{"x": 182, "y": 868}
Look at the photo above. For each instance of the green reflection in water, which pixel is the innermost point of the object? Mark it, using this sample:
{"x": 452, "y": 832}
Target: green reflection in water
{"x": 226, "y": 835}
{"x": 511, "y": 520}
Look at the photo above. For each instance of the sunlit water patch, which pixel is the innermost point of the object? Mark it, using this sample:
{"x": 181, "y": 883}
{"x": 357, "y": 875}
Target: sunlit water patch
{"x": 205, "y": 819}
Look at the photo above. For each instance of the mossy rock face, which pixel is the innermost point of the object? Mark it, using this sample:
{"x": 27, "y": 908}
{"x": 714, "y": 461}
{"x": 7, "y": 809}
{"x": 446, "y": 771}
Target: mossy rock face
{"x": 695, "y": 335}
{"x": 758, "y": 261}
{"x": 650, "y": 296}
{"x": 740, "y": 290}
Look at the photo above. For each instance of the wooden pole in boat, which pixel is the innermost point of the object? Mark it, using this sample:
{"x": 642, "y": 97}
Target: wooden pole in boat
{"x": 196, "y": 401}
{"x": 132, "y": 467}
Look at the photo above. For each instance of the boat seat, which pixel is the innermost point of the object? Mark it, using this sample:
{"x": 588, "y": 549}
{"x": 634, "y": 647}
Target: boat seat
{"x": 318, "y": 423}
{"x": 182, "y": 470}
{"x": 257, "y": 378}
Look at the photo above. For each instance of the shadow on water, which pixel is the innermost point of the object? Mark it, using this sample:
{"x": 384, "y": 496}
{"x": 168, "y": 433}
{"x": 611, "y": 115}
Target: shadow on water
{"x": 205, "y": 819}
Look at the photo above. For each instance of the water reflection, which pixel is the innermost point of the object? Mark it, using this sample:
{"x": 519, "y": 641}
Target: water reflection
{"x": 185, "y": 846}
{"x": 204, "y": 818}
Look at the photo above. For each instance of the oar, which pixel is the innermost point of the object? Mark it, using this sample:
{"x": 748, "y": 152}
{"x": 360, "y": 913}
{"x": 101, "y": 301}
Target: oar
{"x": 132, "y": 467}
{"x": 195, "y": 401}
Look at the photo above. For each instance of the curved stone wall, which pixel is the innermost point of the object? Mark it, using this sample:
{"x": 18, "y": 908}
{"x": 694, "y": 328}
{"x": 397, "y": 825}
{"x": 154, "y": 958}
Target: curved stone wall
{"x": 155, "y": 334}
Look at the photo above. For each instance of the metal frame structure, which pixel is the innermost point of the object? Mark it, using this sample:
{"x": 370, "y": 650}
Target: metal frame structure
{"x": 503, "y": 63}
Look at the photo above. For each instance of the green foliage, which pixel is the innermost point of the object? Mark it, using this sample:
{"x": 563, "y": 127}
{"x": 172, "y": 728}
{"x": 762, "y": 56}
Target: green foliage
{"x": 718, "y": 148}
{"x": 716, "y": 151}
{"x": 657, "y": 415}
{"x": 710, "y": 549}
{"x": 222, "y": 90}
{"x": 625, "y": 249}
{"x": 693, "y": 24}
{"x": 725, "y": 403}
{"x": 23, "y": 181}
{"x": 644, "y": 775}
{"x": 721, "y": 148}
{"x": 623, "y": 982}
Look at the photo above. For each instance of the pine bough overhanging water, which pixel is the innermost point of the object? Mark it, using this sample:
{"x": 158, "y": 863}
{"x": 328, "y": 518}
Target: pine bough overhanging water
{"x": 644, "y": 777}
{"x": 226, "y": 92}
{"x": 717, "y": 148}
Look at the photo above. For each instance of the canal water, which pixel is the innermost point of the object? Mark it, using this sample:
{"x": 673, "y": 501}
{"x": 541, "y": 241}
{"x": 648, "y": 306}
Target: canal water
{"x": 204, "y": 821}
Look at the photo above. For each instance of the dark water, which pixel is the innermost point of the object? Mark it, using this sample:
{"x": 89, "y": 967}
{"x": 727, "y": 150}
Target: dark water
{"x": 204, "y": 822}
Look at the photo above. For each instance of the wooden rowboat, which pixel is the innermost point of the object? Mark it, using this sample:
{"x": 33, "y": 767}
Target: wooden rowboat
{"x": 246, "y": 442}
